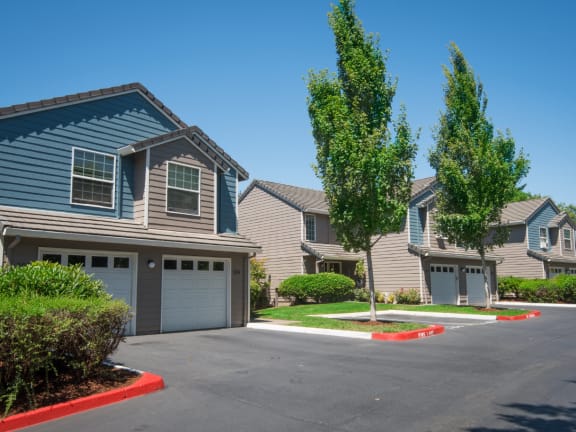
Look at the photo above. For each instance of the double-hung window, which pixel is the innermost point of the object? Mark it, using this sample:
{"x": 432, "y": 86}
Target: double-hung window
{"x": 310, "y": 227}
{"x": 183, "y": 189}
{"x": 543, "y": 238}
{"x": 93, "y": 177}
{"x": 567, "y": 239}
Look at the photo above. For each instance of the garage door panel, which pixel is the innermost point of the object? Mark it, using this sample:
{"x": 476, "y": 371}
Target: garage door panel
{"x": 192, "y": 298}
{"x": 444, "y": 284}
{"x": 475, "y": 285}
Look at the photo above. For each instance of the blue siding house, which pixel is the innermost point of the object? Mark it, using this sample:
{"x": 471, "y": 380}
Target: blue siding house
{"x": 113, "y": 180}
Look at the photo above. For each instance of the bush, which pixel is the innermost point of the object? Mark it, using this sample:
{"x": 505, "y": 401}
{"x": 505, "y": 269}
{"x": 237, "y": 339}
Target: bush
{"x": 509, "y": 285}
{"x": 322, "y": 287}
{"x": 561, "y": 288}
{"x": 566, "y": 286}
{"x": 50, "y": 279}
{"x": 258, "y": 284}
{"x": 409, "y": 296}
{"x": 361, "y": 294}
{"x": 53, "y": 319}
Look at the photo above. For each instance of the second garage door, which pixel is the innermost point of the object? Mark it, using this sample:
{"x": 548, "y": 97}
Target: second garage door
{"x": 444, "y": 284}
{"x": 475, "y": 285}
{"x": 195, "y": 293}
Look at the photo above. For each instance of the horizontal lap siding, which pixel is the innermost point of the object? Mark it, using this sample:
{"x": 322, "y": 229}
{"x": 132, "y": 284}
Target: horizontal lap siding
{"x": 139, "y": 168}
{"x": 183, "y": 152}
{"x": 566, "y": 252}
{"x": 276, "y": 227}
{"x": 36, "y": 150}
{"x": 227, "y": 202}
{"x": 324, "y": 231}
{"x": 540, "y": 219}
{"x": 394, "y": 266}
{"x": 517, "y": 262}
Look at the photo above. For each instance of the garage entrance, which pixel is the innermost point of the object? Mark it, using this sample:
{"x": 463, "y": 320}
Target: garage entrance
{"x": 195, "y": 293}
{"x": 116, "y": 269}
{"x": 475, "y": 285}
{"x": 444, "y": 283}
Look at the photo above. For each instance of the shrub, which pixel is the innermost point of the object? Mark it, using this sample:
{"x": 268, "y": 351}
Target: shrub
{"x": 407, "y": 296}
{"x": 53, "y": 319}
{"x": 508, "y": 285}
{"x": 566, "y": 286}
{"x": 258, "y": 284}
{"x": 322, "y": 287}
{"x": 361, "y": 294}
{"x": 50, "y": 279}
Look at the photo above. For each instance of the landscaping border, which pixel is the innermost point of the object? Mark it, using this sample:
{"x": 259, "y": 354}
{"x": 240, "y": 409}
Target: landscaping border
{"x": 529, "y": 315}
{"x": 432, "y": 330}
{"x": 147, "y": 383}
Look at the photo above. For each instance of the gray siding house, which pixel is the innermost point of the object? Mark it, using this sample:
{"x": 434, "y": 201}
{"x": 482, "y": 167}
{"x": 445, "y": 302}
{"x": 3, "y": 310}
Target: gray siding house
{"x": 292, "y": 226}
{"x": 541, "y": 242}
{"x": 113, "y": 180}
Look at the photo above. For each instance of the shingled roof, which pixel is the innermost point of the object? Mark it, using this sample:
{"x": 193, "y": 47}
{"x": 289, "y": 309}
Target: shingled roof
{"x": 519, "y": 212}
{"x": 55, "y": 102}
{"x": 313, "y": 200}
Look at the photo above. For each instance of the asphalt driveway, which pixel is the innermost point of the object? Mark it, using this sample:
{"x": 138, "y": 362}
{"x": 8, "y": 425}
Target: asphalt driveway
{"x": 506, "y": 376}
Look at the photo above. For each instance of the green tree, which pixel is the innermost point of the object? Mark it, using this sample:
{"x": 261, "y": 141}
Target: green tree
{"x": 570, "y": 209}
{"x": 365, "y": 168}
{"x": 477, "y": 171}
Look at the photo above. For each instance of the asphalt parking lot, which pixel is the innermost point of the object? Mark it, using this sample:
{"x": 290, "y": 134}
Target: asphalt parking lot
{"x": 476, "y": 377}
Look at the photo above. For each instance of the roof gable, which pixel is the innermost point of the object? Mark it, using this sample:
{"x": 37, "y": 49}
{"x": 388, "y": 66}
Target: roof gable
{"x": 196, "y": 136}
{"x": 62, "y": 101}
{"x": 521, "y": 211}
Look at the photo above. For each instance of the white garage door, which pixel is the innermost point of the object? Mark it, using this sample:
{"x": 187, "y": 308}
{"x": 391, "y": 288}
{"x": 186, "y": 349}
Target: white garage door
{"x": 444, "y": 283}
{"x": 195, "y": 293}
{"x": 475, "y": 285}
{"x": 115, "y": 269}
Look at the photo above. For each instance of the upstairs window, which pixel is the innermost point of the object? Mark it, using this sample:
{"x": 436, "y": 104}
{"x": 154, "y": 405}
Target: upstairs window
{"x": 183, "y": 189}
{"x": 93, "y": 176}
{"x": 310, "y": 227}
{"x": 567, "y": 239}
{"x": 543, "y": 238}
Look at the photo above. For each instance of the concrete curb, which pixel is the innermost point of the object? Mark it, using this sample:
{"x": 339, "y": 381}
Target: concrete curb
{"x": 552, "y": 305}
{"x": 432, "y": 330}
{"x": 529, "y": 315}
{"x": 147, "y": 383}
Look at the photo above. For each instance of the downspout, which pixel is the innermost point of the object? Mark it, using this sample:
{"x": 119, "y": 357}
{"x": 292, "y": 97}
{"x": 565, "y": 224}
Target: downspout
{"x": 12, "y": 245}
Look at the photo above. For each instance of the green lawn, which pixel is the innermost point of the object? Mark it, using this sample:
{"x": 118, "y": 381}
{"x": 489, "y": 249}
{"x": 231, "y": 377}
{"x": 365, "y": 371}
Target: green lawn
{"x": 301, "y": 315}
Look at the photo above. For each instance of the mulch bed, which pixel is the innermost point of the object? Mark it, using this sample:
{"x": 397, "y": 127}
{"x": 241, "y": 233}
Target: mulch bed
{"x": 66, "y": 387}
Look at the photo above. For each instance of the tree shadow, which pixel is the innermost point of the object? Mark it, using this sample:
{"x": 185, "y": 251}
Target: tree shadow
{"x": 535, "y": 418}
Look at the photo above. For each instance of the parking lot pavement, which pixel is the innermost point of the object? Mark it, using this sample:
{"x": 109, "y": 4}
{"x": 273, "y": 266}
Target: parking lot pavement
{"x": 496, "y": 377}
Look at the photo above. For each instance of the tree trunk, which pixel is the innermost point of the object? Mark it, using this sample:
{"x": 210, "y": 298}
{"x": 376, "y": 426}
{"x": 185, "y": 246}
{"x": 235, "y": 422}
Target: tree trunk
{"x": 486, "y": 287}
{"x": 371, "y": 285}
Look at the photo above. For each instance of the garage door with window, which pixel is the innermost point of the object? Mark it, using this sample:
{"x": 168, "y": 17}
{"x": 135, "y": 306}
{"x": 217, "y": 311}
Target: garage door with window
{"x": 195, "y": 293}
{"x": 475, "y": 285}
{"x": 115, "y": 269}
{"x": 444, "y": 283}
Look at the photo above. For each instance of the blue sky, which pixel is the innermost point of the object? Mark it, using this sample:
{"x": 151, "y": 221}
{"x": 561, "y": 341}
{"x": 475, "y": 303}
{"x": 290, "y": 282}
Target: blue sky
{"x": 237, "y": 69}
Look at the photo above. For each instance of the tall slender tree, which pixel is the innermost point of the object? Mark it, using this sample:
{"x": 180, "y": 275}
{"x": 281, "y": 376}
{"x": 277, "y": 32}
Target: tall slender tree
{"x": 366, "y": 169}
{"x": 477, "y": 171}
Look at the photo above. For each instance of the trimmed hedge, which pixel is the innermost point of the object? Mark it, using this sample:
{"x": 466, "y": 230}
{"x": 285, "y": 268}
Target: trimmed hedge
{"x": 409, "y": 296}
{"x": 322, "y": 287}
{"x": 560, "y": 289}
{"x": 53, "y": 319}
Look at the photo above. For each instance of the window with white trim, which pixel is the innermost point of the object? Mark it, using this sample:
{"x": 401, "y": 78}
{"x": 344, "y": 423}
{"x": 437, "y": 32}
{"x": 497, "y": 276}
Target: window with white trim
{"x": 310, "y": 227}
{"x": 183, "y": 189}
{"x": 554, "y": 271}
{"x": 93, "y": 177}
{"x": 543, "y": 238}
{"x": 567, "y": 239}
{"x": 571, "y": 270}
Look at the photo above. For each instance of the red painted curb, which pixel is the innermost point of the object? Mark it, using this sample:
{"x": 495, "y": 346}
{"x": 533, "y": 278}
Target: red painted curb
{"x": 531, "y": 314}
{"x": 147, "y": 383}
{"x": 408, "y": 335}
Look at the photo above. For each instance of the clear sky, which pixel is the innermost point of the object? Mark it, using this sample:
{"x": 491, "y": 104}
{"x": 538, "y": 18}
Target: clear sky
{"x": 237, "y": 69}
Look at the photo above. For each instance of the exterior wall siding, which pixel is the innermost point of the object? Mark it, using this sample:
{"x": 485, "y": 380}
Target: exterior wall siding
{"x": 180, "y": 151}
{"x": 563, "y": 250}
{"x": 394, "y": 265}
{"x": 227, "y": 218}
{"x": 324, "y": 231}
{"x": 540, "y": 219}
{"x": 139, "y": 169}
{"x": 149, "y": 281}
{"x": 36, "y": 150}
{"x": 417, "y": 223}
{"x": 516, "y": 260}
{"x": 277, "y": 228}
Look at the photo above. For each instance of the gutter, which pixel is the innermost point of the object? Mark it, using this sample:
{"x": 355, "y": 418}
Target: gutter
{"x": 93, "y": 238}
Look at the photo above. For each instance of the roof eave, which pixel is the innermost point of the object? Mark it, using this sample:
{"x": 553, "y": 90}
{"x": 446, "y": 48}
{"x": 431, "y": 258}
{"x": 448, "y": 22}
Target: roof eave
{"x": 94, "y": 238}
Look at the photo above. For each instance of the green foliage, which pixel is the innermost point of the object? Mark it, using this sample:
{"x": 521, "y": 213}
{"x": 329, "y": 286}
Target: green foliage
{"x": 477, "y": 171}
{"x": 45, "y": 278}
{"x": 53, "y": 318}
{"x": 560, "y": 289}
{"x": 361, "y": 294}
{"x": 258, "y": 284}
{"x": 366, "y": 170}
{"x": 407, "y": 296}
{"x": 570, "y": 209}
{"x": 522, "y": 195}
{"x": 322, "y": 287}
